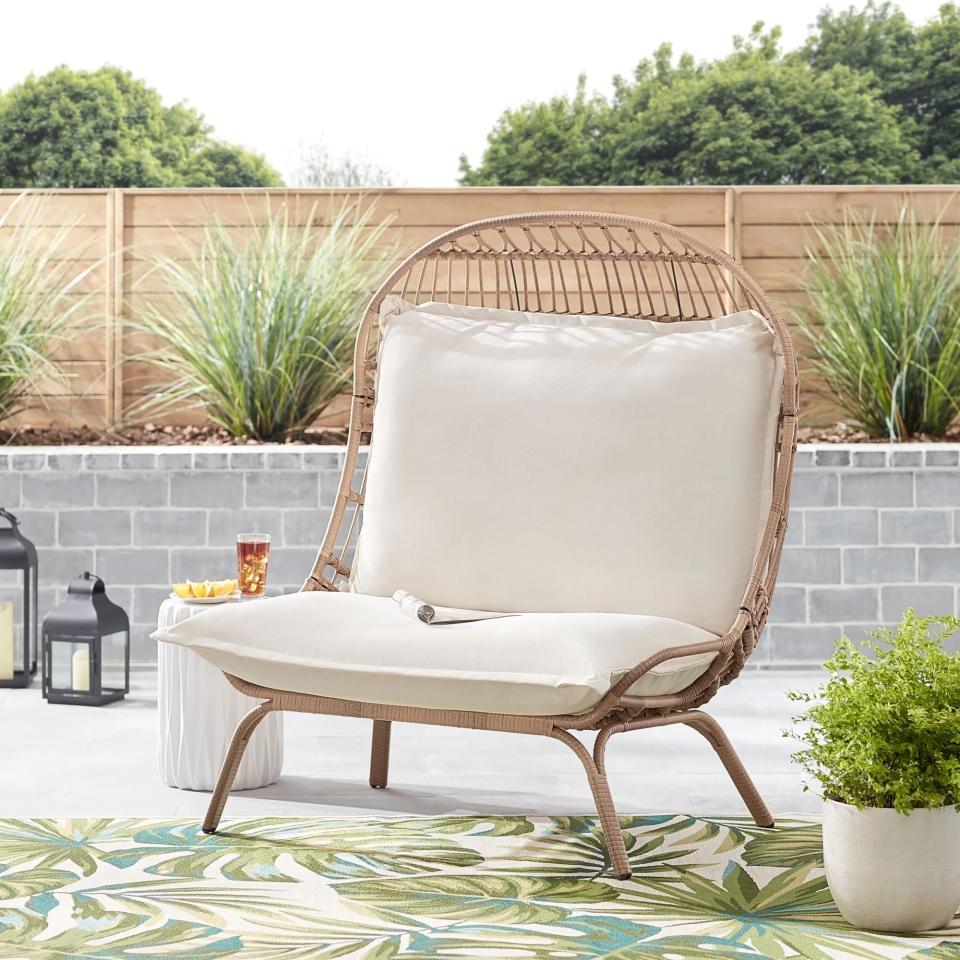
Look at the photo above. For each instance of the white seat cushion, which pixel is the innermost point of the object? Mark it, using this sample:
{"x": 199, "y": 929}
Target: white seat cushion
{"x": 362, "y": 648}
{"x": 544, "y": 463}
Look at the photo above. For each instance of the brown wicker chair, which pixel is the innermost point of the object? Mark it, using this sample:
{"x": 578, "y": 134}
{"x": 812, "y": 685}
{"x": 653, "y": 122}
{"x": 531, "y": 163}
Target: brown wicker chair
{"x": 588, "y": 263}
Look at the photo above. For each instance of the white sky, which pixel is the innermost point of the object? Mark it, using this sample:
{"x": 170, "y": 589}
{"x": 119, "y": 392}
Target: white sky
{"x": 408, "y": 85}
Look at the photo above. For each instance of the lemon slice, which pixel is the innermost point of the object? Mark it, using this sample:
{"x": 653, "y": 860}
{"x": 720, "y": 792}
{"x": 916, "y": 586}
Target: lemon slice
{"x": 204, "y": 589}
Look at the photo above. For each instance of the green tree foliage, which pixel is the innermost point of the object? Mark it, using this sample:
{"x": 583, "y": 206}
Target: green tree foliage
{"x": 878, "y": 40}
{"x": 107, "y": 129}
{"x": 219, "y": 164}
{"x": 913, "y": 68}
{"x": 870, "y": 98}
{"x": 557, "y": 142}
{"x": 753, "y": 118}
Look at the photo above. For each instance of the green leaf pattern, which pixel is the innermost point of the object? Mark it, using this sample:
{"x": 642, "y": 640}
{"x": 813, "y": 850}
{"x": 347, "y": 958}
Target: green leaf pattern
{"x": 532, "y": 888}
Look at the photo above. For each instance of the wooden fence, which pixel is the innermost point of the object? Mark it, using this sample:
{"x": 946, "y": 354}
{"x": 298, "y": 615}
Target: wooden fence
{"x": 115, "y": 232}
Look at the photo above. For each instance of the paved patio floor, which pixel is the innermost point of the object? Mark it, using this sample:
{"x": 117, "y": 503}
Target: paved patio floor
{"x": 88, "y": 761}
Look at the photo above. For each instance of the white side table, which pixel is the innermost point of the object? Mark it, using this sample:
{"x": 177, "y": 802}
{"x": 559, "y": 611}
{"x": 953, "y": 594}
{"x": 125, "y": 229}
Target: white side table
{"x": 199, "y": 710}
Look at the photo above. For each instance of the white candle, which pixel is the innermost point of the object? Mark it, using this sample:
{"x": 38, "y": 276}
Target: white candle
{"x": 81, "y": 669}
{"x": 6, "y": 640}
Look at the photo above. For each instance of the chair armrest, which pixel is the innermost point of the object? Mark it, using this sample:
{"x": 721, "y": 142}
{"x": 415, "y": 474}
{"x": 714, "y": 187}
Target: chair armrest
{"x": 721, "y": 645}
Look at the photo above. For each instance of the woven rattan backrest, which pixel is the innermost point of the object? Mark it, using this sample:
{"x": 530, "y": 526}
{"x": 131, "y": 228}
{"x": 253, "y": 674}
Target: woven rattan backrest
{"x": 577, "y": 263}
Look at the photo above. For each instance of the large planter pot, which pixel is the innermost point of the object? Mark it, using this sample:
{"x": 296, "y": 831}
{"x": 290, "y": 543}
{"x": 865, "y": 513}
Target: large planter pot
{"x": 890, "y": 871}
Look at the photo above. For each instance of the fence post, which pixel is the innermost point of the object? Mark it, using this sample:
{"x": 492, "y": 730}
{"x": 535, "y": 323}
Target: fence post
{"x": 113, "y": 389}
{"x": 732, "y": 227}
{"x": 731, "y": 239}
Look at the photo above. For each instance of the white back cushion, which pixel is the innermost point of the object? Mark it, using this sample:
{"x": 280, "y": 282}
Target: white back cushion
{"x": 535, "y": 462}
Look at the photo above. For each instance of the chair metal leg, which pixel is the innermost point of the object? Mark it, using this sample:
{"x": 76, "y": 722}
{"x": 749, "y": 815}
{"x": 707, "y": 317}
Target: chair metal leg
{"x": 231, "y": 763}
{"x": 380, "y": 754}
{"x": 616, "y": 848}
{"x": 600, "y": 788}
{"x": 713, "y": 733}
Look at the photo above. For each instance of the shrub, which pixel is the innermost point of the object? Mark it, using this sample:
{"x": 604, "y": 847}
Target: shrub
{"x": 884, "y": 323}
{"x": 39, "y": 299}
{"x": 260, "y": 327}
{"x": 884, "y": 731}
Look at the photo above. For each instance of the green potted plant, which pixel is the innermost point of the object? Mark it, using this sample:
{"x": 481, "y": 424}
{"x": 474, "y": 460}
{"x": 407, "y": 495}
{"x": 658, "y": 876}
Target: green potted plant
{"x": 882, "y": 738}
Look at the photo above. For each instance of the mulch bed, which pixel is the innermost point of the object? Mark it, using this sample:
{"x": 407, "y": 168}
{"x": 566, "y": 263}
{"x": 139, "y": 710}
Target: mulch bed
{"x": 151, "y": 435}
{"x": 148, "y": 435}
{"x": 844, "y": 433}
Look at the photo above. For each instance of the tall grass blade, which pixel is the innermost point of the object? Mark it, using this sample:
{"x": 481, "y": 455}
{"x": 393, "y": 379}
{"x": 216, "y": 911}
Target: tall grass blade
{"x": 259, "y": 330}
{"x": 883, "y": 319}
{"x": 41, "y": 272}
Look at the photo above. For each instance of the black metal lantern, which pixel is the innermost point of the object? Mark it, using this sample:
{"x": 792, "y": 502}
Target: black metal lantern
{"x": 86, "y": 647}
{"x": 18, "y": 605}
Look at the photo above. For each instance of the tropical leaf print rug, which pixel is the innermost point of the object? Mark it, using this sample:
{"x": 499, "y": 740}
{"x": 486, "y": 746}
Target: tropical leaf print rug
{"x": 518, "y": 887}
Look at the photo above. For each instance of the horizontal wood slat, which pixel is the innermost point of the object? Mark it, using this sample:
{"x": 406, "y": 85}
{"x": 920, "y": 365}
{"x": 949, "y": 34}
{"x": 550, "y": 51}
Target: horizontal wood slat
{"x": 780, "y": 205}
{"x": 693, "y": 207}
{"x": 114, "y": 234}
{"x": 183, "y": 242}
{"x": 56, "y": 207}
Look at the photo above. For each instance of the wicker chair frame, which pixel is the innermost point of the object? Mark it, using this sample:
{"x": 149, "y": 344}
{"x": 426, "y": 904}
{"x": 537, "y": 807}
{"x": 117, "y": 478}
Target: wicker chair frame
{"x": 568, "y": 262}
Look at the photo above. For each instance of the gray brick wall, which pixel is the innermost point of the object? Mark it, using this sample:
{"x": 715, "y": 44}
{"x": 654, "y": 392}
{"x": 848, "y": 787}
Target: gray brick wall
{"x": 872, "y": 528}
{"x": 143, "y": 517}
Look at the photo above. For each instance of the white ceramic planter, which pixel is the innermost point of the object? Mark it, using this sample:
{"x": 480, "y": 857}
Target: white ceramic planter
{"x": 888, "y": 871}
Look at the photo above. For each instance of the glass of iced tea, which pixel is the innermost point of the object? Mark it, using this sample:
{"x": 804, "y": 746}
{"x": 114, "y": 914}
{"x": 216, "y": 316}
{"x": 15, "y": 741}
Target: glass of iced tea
{"x": 253, "y": 553}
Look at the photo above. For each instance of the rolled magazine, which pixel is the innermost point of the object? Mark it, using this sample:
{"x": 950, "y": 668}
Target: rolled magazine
{"x": 431, "y": 613}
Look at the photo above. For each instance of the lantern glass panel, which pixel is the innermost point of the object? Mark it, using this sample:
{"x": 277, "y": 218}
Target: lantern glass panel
{"x": 70, "y": 665}
{"x": 18, "y": 604}
{"x": 11, "y": 622}
{"x": 113, "y": 660}
{"x": 18, "y": 592}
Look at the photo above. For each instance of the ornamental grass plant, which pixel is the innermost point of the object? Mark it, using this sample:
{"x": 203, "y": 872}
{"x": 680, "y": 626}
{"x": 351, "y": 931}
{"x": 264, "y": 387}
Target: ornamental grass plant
{"x": 883, "y": 321}
{"x": 259, "y": 328}
{"x": 884, "y": 729}
{"x": 41, "y": 279}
